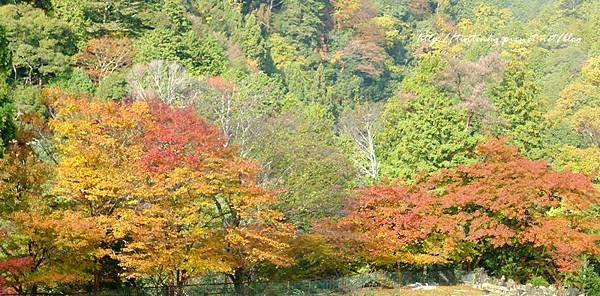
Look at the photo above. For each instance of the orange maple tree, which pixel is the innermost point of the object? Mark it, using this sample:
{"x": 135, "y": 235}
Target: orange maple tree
{"x": 163, "y": 184}
{"x": 503, "y": 201}
{"x": 42, "y": 240}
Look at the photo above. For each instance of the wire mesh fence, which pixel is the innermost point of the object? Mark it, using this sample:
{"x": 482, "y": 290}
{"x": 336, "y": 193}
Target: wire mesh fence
{"x": 291, "y": 288}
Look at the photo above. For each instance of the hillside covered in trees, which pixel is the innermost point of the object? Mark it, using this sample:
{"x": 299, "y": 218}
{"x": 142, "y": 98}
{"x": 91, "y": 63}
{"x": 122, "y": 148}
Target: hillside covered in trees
{"x": 164, "y": 142}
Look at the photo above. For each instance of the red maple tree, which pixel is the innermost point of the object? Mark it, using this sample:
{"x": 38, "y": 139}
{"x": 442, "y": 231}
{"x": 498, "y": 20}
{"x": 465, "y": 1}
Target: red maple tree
{"x": 505, "y": 200}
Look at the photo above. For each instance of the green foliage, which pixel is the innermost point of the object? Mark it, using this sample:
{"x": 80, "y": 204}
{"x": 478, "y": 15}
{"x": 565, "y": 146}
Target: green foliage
{"x": 73, "y": 13}
{"x": 538, "y": 281}
{"x": 157, "y": 44}
{"x": 283, "y": 52}
{"x": 423, "y": 128}
{"x": 557, "y": 68}
{"x": 252, "y": 41}
{"x": 586, "y": 279}
{"x": 309, "y": 86}
{"x": 582, "y": 21}
{"x": 7, "y": 126}
{"x": 200, "y": 56}
{"x": 28, "y": 99}
{"x": 76, "y": 81}
{"x": 519, "y": 102}
{"x": 591, "y": 71}
{"x": 98, "y": 18}
{"x": 300, "y": 22}
{"x": 5, "y": 53}
{"x": 585, "y": 161}
{"x": 220, "y": 16}
{"x": 40, "y": 45}
{"x": 488, "y": 19}
{"x": 299, "y": 158}
{"x": 176, "y": 42}
{"x": 176, "y": 14}
{"x": 562, "y": 133}
{"x": 112, "y": 87}
{"x": 571, "y": 112}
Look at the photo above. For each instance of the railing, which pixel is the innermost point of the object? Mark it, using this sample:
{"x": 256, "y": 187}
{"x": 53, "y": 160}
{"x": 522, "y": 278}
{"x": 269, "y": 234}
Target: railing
{"x": 291, "y": 288}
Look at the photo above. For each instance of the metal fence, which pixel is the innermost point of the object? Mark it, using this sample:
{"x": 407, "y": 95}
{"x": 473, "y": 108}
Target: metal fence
{"x": 292, "y": 288}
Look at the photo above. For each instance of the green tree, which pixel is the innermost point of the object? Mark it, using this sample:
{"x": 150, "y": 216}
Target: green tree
{"x": 176, "y": 15}
{"x": 40, "y": 45}
{"x": 252, "y": 41}
{"x": 310, "y": 86}
{"x": 98, "y": 18}
{"x": 519, "y": 103}
{"x": 423, "y": 129}
{"x": 591, "y": 71}
{"x": 586, "y": 161}
{"x": 73, "y": 13}
{"x": 299, "y": 157}
{"x": 157, "y": 44}
{"x": 7, "y": 126}
{"x": 112, "y": 87}
{"x": 300, "y": 22}
{"x": 200, "y": 56}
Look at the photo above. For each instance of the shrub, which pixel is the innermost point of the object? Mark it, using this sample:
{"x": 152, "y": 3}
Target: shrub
{"x": 585, "y": 279}
{"x": 538, "y": 281}
{"x": 112, "y": 87}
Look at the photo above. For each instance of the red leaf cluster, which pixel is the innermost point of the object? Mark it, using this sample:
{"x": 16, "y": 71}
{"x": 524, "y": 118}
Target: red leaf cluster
{"x": 12, "y": 267}
{"x": 180, "y": 135}
{"x": 15, "y": 265}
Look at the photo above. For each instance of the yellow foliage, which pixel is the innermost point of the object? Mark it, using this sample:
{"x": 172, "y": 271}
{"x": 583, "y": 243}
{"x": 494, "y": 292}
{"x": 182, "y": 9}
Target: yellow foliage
{"x": 587, "y": 122}
{"x": 283, "y": 53}
{"x": 343, "y": 11}
{"x": 162, "y": 183}
{"x": 97, "y": 145}
{"x": 573, "y": 97}
{"x": 591, "y": 71}
{"x": 390, "y": 27}
{"x": 488, "y": 19}
{"x": 586, "y": 161}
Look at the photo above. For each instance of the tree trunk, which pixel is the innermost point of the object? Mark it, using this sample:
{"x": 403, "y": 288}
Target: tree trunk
{"x": 33, "y": 290}
{"x": 97, "y": 280}
{"x": 238, "y": 281}
{"x": 167, "y": 290}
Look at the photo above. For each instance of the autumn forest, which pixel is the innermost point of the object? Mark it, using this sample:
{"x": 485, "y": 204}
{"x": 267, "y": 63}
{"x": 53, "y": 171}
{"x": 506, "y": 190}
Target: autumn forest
{"x": 171, "y": 143}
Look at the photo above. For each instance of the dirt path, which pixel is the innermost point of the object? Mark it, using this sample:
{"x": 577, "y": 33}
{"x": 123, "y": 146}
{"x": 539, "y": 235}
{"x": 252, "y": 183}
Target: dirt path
{"x": 461, "y": 290}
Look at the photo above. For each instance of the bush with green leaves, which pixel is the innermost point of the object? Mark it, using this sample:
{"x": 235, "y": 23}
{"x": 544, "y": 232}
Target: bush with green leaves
{"x": 538, "y": 281}
{"x": 28, "y": 99}
{"x": 112, "y": 87}
{"x": 585, "y": 279}
{"x": 76, "y": 81}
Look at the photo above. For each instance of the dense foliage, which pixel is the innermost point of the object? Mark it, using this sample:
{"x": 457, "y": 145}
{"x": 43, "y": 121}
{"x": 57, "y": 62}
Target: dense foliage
{"x": 490, "y": 212}
{"x": 171, "y": 142}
